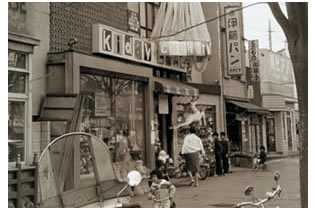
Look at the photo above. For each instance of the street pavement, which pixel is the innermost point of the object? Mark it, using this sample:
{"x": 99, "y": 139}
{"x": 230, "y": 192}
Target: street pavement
{"x": 226, "y": 191}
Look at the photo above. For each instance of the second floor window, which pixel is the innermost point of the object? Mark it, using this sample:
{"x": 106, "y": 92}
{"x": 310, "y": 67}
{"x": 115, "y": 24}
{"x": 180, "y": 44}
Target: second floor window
{"x": 148, "y": 12}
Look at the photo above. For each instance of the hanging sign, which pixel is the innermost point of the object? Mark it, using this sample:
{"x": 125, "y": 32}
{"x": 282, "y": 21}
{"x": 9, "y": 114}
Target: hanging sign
{"x": 163, "y": 104}
{"x": 253, "y": 52}
{"x": 232, "y": 25}
{"x": 184, "y": 48}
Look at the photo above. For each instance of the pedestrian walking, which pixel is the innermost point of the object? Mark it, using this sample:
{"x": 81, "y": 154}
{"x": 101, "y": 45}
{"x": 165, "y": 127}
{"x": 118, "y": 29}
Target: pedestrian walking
{"x": 218, "y": 150}
{"x": 161, "y": 191}
{"x": 191, "y": 149}
{"x": 225, "y": 153}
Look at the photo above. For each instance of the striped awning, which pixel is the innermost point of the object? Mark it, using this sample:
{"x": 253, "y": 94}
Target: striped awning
{"x": 163, "y": 85}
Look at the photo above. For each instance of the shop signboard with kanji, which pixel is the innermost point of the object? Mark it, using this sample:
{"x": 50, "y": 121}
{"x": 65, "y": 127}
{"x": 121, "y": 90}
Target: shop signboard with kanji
{"x": 253, "y": 52}
{"x": 232, "y": 24}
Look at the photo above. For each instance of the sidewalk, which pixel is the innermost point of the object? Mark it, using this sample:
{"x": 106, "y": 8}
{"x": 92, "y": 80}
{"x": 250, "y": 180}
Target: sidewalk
{"x": 183, "y": 183}
{"x": 226, "y": 191}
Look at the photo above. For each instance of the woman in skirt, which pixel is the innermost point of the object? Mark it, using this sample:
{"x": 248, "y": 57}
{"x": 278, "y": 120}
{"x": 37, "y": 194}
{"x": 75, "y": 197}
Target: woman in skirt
{"x": 191, "y": 149}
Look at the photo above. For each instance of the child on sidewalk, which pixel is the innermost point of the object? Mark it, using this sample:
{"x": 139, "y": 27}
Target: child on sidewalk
{"x": 161, "y": 191}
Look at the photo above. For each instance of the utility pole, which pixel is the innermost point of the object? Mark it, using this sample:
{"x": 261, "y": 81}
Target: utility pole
{"x": 270, "y": 37}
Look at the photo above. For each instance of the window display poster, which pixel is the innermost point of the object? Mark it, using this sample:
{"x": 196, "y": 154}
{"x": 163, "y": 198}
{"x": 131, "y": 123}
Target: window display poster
{"x": 102, "y": 104}
{"x": 163, "y": 104}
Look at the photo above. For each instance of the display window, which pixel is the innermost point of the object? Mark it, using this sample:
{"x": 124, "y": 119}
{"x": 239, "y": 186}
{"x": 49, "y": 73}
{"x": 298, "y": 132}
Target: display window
{"x": 114, "y": 112}
{"x": 205, "y": 130}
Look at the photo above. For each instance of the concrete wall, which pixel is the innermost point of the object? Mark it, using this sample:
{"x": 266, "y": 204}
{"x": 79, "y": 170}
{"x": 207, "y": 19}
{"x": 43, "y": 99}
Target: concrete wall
{"x": 213, "y": 71}
{"x": 21, "y": 18}
{"x": 273, "y": 102}
{"x": 41, "y": 31}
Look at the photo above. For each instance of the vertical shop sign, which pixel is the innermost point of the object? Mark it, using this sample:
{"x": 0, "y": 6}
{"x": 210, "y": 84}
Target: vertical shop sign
{"x": 232, "y": 25}
{"x": 133, "y": 21}
{"x": 163, "y": 104}
{"x": 253, "y": 52}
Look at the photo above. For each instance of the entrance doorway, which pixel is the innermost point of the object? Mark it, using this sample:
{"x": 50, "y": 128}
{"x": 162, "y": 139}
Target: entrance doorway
{"x": 165, "y": 134}
{"x": 234, "y": 132}
{"x": 271, "y": 134}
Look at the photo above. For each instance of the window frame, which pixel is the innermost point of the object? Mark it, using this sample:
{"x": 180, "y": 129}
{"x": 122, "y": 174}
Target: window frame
{"x": 145, "y": 28}
{"x": 26, "y": 99}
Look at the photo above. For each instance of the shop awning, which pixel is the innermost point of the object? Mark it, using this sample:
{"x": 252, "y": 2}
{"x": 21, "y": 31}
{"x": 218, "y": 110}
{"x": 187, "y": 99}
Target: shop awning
{"x": 163, "y": 85}
{"x": 249, "y": 106}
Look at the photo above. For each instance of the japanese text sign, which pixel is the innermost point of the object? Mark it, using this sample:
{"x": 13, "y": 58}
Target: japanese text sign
{"x": 232, "y": 24}
{"x": 253, "y": 52}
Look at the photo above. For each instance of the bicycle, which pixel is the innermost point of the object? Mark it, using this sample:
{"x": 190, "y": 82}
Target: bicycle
{"x": 259, "y": 203}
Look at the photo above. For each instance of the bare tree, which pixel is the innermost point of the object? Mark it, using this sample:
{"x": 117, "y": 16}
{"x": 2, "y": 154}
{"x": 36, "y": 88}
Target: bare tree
{"x": 295, "y": 27}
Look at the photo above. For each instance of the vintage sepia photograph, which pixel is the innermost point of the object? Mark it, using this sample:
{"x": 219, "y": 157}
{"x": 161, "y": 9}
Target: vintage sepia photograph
{"x": 157, "y": 104}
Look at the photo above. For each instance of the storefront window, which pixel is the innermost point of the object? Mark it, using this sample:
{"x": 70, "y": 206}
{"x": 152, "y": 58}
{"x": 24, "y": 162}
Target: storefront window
{"x": 16, "y": 129}
{"x": 114, "y": 112}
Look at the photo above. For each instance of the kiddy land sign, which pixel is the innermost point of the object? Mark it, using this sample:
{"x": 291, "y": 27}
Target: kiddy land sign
{"x": 110, "y": 41}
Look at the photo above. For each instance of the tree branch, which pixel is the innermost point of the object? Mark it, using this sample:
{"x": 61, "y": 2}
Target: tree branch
{"x": 280, "y": 17}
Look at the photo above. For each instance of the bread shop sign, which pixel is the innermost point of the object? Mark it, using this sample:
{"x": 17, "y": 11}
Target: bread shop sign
{"x": 110, "y": 41}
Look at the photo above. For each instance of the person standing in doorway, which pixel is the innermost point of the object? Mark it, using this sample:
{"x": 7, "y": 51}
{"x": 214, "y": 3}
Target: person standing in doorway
{"x": 191, "y": 149}
{"x": 218, "y": 150}
{"x": 225, "y": 152}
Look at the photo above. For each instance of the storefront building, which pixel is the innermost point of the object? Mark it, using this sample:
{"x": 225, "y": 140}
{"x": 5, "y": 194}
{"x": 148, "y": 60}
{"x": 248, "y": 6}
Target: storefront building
{"x": 279, "y": 97}
{"x": 21, "y": 45}
{"x": 130, "y": 89}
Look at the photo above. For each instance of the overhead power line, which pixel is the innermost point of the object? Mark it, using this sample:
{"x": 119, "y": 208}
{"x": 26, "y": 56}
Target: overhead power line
{"x": 207, "y": 21}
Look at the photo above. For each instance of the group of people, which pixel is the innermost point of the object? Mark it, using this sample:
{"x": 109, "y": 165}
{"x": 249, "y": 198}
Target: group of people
{"x": 222, "y": 152}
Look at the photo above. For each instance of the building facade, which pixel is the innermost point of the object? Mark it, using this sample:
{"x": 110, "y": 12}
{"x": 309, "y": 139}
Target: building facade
{"x": 278, "y": 95}
{"x": 103, "y": 51}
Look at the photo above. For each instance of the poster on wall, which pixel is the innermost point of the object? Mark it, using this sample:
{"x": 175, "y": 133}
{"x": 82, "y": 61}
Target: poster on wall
{"x": 102, "y": 105}
{"x": 233, "y": 41}
{"x": 163, "y": 104}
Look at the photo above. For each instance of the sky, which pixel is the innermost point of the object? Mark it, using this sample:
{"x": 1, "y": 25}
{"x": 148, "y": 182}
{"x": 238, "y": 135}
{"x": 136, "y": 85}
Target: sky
{"x": 256, "y": 26}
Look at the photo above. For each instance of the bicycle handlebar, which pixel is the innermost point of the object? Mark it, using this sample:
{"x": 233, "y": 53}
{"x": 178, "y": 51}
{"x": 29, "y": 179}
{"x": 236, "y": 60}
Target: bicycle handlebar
{"x": 277, "y": 191}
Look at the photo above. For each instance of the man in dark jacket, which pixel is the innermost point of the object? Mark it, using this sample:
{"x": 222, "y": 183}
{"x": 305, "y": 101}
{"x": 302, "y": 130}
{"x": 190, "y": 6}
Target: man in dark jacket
{"x": 225, "y": 153}
{"x": 218, "y": 149}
